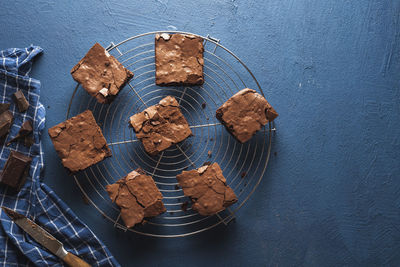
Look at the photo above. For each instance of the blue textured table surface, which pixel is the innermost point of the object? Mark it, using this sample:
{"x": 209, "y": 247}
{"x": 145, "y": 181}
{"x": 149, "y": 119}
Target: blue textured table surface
{"x": 331, "y": 194}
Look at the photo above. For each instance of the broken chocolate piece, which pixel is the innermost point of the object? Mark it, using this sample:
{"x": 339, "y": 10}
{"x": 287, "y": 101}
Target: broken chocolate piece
{"x": 179, "y": 59}
{"x": 207, "y": 188}
{"x": 15, "y": 170}
{"x": 245, "y": 113}
{"x": 21, "y": 101}
{"x": 25, "y": 130}
{"x": 6, "y": 120}
{"x": 4, "y": 107}
{"x": 184, "y": 206}
{"x": 160, "y": 126}
{"x": 79, "y": 142}
{"x": 101, "y": 74}
{"x": 28, "y": 141}
{"x": 138, "y": 197}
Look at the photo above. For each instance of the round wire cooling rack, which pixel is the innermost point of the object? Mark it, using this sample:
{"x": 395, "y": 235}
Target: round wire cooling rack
{"x": 243, "y": 165}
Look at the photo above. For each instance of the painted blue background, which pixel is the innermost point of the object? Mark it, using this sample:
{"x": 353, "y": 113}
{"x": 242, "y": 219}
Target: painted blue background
{"x": 331, "y": 194}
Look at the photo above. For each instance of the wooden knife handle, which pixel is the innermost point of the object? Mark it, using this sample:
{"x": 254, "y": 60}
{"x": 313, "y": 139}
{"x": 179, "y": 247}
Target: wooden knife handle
{"x": 75, "y": 261}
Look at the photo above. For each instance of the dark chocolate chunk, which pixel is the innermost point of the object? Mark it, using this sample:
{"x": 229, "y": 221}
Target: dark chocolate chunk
{"x": 160, "y": 126}
{"x": 245, "y": 113}
{"x": 184, "y": 206}
{"x": 138, "y": 197}
{"x": 101, "y": 74}
{"x": 25, "y": 130}
{"x": 243, "y": 174}
{"x": 4, "y": 107}
{"x": 79, "y": 142}
{"x": 15, "y": 170}
{"x": 206, "y": 163}
{"x": 207, "y": 189}
{"x": 21, "y": 101}
{"x": 203, "y": 106}
{"x": 28, "y": 141}
{"x": 179, "y": 59}
{"x": 6, "y": 120}
{"x": 176, "y": 187}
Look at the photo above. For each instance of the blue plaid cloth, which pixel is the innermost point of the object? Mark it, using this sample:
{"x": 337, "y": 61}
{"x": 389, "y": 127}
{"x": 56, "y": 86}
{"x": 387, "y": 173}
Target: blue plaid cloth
{"x": 36, "y": 200}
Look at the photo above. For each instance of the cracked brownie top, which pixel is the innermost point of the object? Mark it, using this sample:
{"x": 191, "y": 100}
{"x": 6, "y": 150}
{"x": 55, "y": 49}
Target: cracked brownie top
{"x": 137, "y": 196}
{"x": 207, "y": 188}
{"x": 101, "y": 74}
{"x": 79, "y": 142}
{"x": 160, "y": 126}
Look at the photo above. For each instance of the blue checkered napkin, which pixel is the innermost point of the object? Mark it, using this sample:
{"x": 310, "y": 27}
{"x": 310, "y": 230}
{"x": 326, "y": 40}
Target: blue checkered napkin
{"x": 36, "y": 200}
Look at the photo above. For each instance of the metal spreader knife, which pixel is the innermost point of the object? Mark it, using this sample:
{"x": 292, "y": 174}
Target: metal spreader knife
{"x": 45, "y": 239}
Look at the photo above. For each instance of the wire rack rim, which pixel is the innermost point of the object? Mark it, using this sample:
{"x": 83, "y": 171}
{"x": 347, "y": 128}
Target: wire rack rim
{"x": 232, "y": 213}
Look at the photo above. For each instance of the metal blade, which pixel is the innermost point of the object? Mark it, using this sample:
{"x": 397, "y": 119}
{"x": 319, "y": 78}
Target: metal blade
{"x": 37, "y": 233}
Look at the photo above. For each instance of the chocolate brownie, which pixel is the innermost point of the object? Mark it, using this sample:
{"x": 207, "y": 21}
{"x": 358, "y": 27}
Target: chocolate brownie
{"x": 101, "y": 74}
{"x": 179, "y": 59}
{"x": 79, "y": 142}
{"x": 207, "y": 188}
{"x": 160, "y": 126}
{"x": 245, "y": 113}
{"x": 15, "y": 170}
{"x": 138, "y": 197}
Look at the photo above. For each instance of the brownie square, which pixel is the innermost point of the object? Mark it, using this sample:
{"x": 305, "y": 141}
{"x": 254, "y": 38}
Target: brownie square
{"x": 101, "y": 74}
{"x": 15, "y": 170}
{"x": 79, "y": 142}
{"x": 245, "y": 113}
{"x": 179, "y": 59}
{"x": 137, "y": 196}
{"x": 160, "y": 126}
{"x": 207, "y": 189}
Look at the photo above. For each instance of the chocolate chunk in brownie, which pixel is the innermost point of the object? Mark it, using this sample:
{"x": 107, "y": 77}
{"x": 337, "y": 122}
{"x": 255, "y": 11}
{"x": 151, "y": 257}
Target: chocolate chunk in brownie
{"x": 15, "y": 170}
{"x": 20, "y": 100}
{"x": 179, "y": 59}
{"x": 137, "y": 196}
{"x": 6, "y": 120}
{"x": 207, "y": 189}
{"x": 160, "y": 126}
{"x": 101, "y": 74}
{"x": 245, "y": 113}
{"x": 79, "y": 142}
